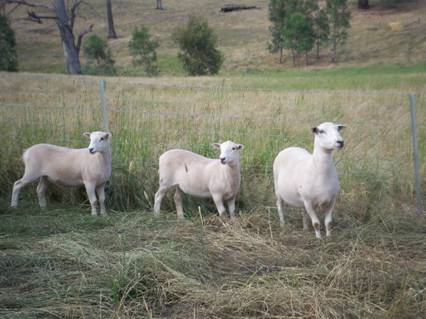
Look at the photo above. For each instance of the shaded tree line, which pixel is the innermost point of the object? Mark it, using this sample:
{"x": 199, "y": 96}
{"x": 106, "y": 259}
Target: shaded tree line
{"x": 301, "y": 26}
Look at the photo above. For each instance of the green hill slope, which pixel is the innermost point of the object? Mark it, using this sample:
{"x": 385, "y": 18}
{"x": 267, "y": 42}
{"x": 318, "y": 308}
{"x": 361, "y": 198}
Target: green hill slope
{"x": 377, "y": 36}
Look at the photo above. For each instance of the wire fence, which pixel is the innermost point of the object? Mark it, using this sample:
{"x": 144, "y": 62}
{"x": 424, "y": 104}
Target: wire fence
{"x": 382, "y": 154}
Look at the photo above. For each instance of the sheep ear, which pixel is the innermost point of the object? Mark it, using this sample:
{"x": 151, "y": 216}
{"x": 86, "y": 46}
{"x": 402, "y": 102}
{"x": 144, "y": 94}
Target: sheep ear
{"x": 340, "y": 126}
{"x": 87, "y": 134}
{"x": 240, "y": 147}
{"x": 107, "y": 135}
{"x": 216, "y": 146}
{"x": 315, "y": 130}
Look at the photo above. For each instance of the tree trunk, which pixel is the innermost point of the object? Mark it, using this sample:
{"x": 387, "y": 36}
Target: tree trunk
{"x": 111, "y": 30}
{"x": 306, "y": 58}
{"x": 334, "y": 51}
{"x": 159, "y": 5}
{"x": 363, "y": 4}
{"x": 71, "y": 52}
{"x": 281, "y": 54}
{"x": 318, "y": 50}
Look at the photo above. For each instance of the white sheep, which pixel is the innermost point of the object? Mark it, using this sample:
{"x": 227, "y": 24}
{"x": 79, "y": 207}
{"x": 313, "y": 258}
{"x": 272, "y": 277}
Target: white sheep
{"x": 90, "y": 167}
{"x": 200, "y": 176}
{"x": 309, "y": 180}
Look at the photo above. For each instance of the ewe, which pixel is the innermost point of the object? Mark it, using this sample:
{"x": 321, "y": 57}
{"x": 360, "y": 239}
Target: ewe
{"x": 309, "y": 180}
{"x": 89, "y": 166}
{"x": 197, "y": 175}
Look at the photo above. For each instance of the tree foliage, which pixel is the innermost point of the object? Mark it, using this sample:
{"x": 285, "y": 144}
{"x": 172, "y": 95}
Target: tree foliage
{"x": 98, "y": 55}
{"x": 8, "y": 56}
{"x": 299, "y": 25}
{"x": 198, "y": 47}
{"x": 339, "y": 17}
{"x": 143, "y": 49}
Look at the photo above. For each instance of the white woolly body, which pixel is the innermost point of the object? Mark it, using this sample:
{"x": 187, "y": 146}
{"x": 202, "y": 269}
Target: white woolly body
{"x": 67, "y": 166}
{"x": 308, "y": 180}
{"x": 90, "y": 167}
{"x": 299, "y": 178}
{"x": 200, "y": 176}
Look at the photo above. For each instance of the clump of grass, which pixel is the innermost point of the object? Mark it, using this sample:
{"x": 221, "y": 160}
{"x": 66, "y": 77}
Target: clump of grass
{"x": 138, "y": 265}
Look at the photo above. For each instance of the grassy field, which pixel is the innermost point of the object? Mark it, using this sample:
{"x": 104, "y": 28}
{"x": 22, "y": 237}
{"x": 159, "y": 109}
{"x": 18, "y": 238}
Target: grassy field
{"x": 63, "y": 263}
{"x": 243, "y": 36}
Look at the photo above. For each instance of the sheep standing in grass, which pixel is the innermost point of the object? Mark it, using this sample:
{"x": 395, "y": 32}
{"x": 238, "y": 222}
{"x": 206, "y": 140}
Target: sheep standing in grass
{"x": 309, "y": 180}
{"x": 197, "y": 175}
{"x": 90, "y": 167}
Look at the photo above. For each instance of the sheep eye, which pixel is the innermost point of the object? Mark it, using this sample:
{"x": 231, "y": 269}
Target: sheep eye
{"x": 321, "y": 131}
{"x": 233, "y": 148}
{"x": 102, "y": 138}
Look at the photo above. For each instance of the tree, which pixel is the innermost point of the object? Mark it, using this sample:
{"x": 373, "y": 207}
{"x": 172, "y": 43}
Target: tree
{"x": 98, "y": 55}
{"x": 142, "y": 48}
{"x": 159, "y": 5}
{"x": 280, "y": 14}
{"x": 339, "y": 17}
{"x": 64, "y": 15}
{"x": 111, "y": 30}
{"x": 321, "y": 29}
{"x": 197, "y": 43}
{"x": 8, "y": 56}
{"x": 299, "y": 34}
{"x": 279, "y": 11}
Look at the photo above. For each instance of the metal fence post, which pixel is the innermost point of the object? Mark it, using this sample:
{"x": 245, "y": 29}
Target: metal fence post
{"x": 104, "y": 105}
{"x": 419, "y": 205}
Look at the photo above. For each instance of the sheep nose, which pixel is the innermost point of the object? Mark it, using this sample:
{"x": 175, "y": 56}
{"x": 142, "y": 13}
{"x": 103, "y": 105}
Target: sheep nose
{"x": 222, "y": 160}
{"x": 91, "y": 150}
{"x": 340, "y": 144}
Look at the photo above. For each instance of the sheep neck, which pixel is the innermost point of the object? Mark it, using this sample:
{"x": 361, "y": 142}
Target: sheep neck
{"x": 233, "y": 170}
{"x": 107, "y": 159}
{"x": 322, "y": 158}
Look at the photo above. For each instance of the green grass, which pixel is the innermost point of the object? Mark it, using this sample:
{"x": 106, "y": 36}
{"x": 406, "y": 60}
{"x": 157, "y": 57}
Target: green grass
{"x": 133, "y": 265}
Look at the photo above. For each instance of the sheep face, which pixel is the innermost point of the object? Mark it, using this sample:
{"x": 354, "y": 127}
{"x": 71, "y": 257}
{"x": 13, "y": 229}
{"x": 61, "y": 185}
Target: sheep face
{"x": 99, "y": 141}
{"x": 229, "y": 152}
{"x": 327, "y": 136}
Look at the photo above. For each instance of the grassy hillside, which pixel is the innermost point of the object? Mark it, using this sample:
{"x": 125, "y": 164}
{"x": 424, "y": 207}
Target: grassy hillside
{"x": 63, "y": 263}
{"x": 243, "y": 36}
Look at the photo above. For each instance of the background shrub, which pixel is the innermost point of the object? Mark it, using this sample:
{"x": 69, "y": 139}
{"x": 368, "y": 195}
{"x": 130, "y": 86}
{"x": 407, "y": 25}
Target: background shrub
{"x": 98, "y": 55}
{"x": 197, "y": 43}
{"x": 8, "y": 56}
{"x": 142, "y": 48}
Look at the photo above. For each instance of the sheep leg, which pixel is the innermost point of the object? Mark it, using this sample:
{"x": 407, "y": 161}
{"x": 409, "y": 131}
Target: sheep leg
{"x": 231, "y": 207}
{"x": 280, "y": 207}
{"x": 100, "y": 190}
{"x": 178, "y": 203}
{"x": 219, "y": 204}
{"x": 305, "y": 220}
{"x": 329, "y": 218}
{"x": 41, "y": 191}
{"x": 159, "y": 195}
{"x": 314, "y": 218}
{"x": 17, "y": 186}
{"x": 91, "y": 194}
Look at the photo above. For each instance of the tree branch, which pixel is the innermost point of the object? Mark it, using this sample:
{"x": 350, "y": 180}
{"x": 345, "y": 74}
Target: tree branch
{"x": 73, "y": 10}
{"x": 30, "y": 4}
{"x": 81, "y": 35}
{"x": 32, "y": 16}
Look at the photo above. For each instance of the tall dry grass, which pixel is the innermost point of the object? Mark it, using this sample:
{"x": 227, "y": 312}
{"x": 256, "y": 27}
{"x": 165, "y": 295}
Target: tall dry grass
{"x": 148, "y": 118}
{"x": 63, "y": 263}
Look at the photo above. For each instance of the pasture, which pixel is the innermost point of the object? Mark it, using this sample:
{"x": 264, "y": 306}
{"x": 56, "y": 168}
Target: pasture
{"x": 63, "y": 263}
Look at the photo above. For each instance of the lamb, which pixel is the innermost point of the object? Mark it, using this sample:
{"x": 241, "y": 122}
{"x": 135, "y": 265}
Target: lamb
{"x": 309, "y": 180}
{"x": 90, "y": 167}
{"x": 200, "y": 176}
